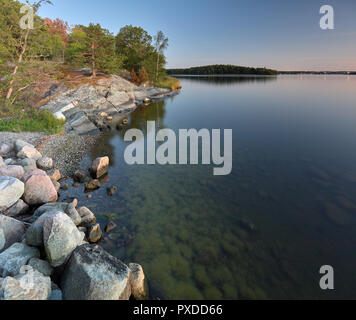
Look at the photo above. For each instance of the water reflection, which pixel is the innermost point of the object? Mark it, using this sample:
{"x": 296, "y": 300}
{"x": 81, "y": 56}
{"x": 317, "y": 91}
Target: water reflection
{"x": 228, "y": 80}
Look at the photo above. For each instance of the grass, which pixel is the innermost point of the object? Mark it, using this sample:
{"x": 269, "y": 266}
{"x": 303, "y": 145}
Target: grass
{"x": 32, "y": 121}
{"x": 169, "y": 83}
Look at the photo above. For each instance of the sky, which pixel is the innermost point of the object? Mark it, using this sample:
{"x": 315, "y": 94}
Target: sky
{"x": 278, "y": 34}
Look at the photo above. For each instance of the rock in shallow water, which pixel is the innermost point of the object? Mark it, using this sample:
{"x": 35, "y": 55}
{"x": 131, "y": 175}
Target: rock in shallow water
{"x": 60, "y": 237}
{"x": 138, "y": 282}
{"x": 11, "y": 190}
{"x": 93, "y": 274}
{"x": 95, "y": 233}
{"x": 100, "y": 167}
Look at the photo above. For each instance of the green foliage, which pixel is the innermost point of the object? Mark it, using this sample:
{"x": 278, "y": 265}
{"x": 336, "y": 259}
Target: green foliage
{"x": 32, "y": 121}
{"x": 222, "y": 69}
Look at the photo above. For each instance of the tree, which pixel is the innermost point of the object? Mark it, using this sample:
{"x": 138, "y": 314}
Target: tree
{"x": 161, "y": 44}
{"x": 58, "y": 28}
{"x": 134, "y": 43}
{"x": 143, "y": 76}
{"x": 22, "y": 45}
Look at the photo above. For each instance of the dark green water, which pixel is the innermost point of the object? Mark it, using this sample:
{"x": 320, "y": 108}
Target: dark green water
{"x": 288, "y": 208}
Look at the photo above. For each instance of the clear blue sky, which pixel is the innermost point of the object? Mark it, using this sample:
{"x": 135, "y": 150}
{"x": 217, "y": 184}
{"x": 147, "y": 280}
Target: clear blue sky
{"x": 281, "y": 34}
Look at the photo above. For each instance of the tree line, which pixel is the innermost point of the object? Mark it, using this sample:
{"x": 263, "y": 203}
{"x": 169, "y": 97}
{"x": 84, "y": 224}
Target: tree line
{"x": 222, "y": 70}
{"x": 93, "y": 46}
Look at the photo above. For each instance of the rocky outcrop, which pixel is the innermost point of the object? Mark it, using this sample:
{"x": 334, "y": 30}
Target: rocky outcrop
{"x": 60, "y": 237}
{"x": 93, "y": 274}
{"x": 11, "y": 190}
{"x": 112, "y": 95}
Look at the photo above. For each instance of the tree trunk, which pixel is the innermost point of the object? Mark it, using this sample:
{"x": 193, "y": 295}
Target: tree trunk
{"x": 93, "y": 59}
{"x": 24, "y": 48}
{"x": 157, "y": 66}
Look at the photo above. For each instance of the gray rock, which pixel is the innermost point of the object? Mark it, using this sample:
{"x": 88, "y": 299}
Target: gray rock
{"x": 60, "y": 237}
{"x": 15, "y": 257}
{"x": 29, "y": 152}
{"x": 5, "y": 150}
{"x": 34, "y": 234}
{"x": 42, "y": 266}
{"x": 29, "y": 285}
{"x": 28, "y": 164}
{"x": 11, "y": 190}
{"x": 67, "y": 208}
{"x": 56, "y": 293}
{"x": 2, "y": 239}
{"x": 9, "y": 161}
{"x": 138, "y": 282}
{"x": 93, "y": 274}
{"x": 12, "y": 171}
{"x": 45, "y": 163}
{"x": 88, "y": 218}
{"x": 19, "y": 144}
{"x": 2, "y": 163}
{"x": 13, "y": 230}
{"x": 18, "y": 209}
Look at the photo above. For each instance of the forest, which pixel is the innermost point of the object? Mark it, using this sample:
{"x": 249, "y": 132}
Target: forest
{"x": 222, "y": 70}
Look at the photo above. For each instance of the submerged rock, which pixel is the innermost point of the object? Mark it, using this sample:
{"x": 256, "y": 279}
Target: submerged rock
{"x": 110, "y": 226}
{"x": 11, "y": 190}
{"x": 80, "y": 176}
{"x": 94, "y": 233}
{"x": 92, "y": 185}
{"x": 111, "y": 191}
{"x": 93, "y": 274}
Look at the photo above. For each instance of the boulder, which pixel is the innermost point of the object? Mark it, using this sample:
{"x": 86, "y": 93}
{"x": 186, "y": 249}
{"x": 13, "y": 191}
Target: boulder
{"x": 18, "y": 209}
{"x": 29, "y": 285}
{"x": 138, "y": 282}
{"x": 56, "y": 185}
{"x": 100, "y": 166}
{"x": 88, "y": 218}
{"x": 45, "y": 163}
{"x": 94, "y": 233}
{"x": 12, "y": 171}
{"x": 54, "y": 175}
{"x": 56, "y": 294}
{"x": 2, "y": 163}
{"x": 5, "y": 150}
{"x": 34, "y": 234}
{"x": 92, "y": 185}
{"x": 93, "y": 274}
{"x": 29, "y": 152}
{"x": 11, "y": 190}
{"x": 13, "y": 230}
{"x": 68, "y": 208}
{"x": 15, "y": 257}
{"x": 35, "y": 172}
{"x": 60, "y": 237}
{"x": 2, "y": 239}
{"x": 28, "y": 164}
{"x": 41, "y": 266}
{"x": 39, "y": 189}
{"x": 19, "y": 144}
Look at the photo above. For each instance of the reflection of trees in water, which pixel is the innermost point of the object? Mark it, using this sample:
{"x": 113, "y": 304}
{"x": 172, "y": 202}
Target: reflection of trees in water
{"x": 226, "y": 80}
{"x": 103, "y": 146}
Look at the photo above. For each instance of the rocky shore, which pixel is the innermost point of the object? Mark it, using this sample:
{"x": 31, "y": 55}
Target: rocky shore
{"x": 48, "y": 249}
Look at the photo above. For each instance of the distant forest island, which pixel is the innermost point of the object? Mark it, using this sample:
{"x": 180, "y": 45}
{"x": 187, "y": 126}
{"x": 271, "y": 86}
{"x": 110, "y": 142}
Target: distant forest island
{"x": 222, "y": 69}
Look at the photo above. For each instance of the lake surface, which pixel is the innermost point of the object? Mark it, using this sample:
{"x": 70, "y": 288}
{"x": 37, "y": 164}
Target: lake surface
{"x": 264, "y": 231}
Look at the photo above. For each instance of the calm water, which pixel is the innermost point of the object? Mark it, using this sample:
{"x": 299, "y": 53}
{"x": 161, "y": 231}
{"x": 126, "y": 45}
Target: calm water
{"x": 264, "y": 231}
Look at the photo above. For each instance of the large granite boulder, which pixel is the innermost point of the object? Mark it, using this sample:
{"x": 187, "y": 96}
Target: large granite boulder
{"x": 12, "y": 171}
{"x": 28, "y": 285}
{"x": 60, "y": 237}
{"x": 93, "y": 274}
{"x": 13, "y": 231}
{"x": 15, "y": 257}
{"x": 39, "y": 188}
{"x": 19, "y": 144}
{"x": 11, "y": 190}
